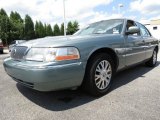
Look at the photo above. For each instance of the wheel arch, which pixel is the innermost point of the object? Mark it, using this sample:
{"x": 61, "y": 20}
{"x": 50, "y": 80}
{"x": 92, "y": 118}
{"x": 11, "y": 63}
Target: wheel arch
{"x": 107, "y": 50}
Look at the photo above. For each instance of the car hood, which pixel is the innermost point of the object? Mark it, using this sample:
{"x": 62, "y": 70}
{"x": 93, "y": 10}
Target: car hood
{"x": 45, "y": 42}
{"x": 61, "y": 40}
{"x": 54, "y": 41}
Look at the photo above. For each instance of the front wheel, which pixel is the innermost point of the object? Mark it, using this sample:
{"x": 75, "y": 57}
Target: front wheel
{"x": 153, "y": 60}
{"x": 98, "y": 77}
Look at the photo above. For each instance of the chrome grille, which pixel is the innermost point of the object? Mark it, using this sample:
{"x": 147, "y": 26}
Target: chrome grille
{"x": 18, "y": 52}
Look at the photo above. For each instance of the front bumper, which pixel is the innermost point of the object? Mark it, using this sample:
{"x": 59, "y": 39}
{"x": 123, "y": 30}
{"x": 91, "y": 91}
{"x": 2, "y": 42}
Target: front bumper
{"x": 45, "y": 77}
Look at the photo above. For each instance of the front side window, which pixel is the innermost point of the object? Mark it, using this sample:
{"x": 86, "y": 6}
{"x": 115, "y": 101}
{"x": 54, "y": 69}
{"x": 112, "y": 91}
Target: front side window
{"x": 103, "y": 27}
{"x": 131, "y": 23}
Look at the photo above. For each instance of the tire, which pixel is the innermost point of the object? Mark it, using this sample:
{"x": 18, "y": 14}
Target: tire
{"x": 98, "y": 80}
{"x": 153, "y": 60}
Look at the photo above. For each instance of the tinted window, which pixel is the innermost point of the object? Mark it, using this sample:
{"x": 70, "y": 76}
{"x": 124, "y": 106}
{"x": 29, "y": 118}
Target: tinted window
{"x": 130, "y": 24}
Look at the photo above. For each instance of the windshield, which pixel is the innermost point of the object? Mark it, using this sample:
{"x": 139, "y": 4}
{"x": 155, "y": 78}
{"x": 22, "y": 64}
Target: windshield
{"x": 103, "y": 27}
{"x": 17, "y": 42}
{"x": 21, "y": 41}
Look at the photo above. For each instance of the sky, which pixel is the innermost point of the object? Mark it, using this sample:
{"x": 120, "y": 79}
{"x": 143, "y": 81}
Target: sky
{"x": 84, "y": 11}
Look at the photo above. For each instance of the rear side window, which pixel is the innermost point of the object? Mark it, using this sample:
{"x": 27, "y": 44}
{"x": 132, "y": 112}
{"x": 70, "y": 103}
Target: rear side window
{"x": 144, "y": 30}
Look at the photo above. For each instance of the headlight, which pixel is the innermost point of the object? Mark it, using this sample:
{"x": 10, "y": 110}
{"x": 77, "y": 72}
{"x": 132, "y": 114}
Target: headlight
{"x": 52, "y": 54}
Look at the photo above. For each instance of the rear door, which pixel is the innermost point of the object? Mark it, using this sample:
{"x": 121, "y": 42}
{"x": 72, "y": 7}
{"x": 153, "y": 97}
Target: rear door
{"x": 135, "y": 46}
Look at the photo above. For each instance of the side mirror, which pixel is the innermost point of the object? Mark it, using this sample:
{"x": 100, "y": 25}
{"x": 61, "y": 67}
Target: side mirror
{"x": 133, "y": 30}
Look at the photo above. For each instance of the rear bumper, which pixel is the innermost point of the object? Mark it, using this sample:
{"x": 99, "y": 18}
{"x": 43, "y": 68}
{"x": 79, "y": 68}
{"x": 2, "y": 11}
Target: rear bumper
{"x": 45, "y": 78}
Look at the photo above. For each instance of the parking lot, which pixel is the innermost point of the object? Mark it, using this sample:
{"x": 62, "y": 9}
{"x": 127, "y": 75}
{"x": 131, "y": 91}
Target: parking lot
{"x": 135, "y": 95}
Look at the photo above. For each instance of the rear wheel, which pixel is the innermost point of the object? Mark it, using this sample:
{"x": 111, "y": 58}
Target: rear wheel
{"x": 153, "y": 60}
{"x": 98, "y": 77}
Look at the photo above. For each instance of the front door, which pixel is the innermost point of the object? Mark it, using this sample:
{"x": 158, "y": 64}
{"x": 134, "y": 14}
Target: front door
{"x": 135, "y": 46}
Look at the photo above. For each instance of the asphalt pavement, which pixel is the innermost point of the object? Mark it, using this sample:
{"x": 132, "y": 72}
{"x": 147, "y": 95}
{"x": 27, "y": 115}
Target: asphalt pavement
{"x": 135, "y": 95}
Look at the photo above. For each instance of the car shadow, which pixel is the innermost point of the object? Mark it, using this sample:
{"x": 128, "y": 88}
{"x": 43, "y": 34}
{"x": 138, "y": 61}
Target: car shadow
{"x": 58, "y": 100}
{"x": 68, "y": 99}
{"x": 130, "y": 74}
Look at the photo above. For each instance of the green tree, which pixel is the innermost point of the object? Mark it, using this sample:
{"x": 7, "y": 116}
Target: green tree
{"x": 5, "y": 26}
{"x": 56, "y": 31}
{"x": 40, "y": 29}
{"x": 75, "y": 26}
{"x": 62, "y": 29}
{"x": 14, "y": 27}
{"x": 29, "y": 28}
{"x": 3, "y": 12}
{"x": 72, "y": 27}
{"x": 49, "y": 31}
{"x": 45, "y": 29}
{"x": 17, "y": 27}
{"x": 37, "y": 30}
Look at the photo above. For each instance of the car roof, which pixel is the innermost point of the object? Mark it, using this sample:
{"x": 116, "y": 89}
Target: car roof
{"x": 116, "y": 19}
